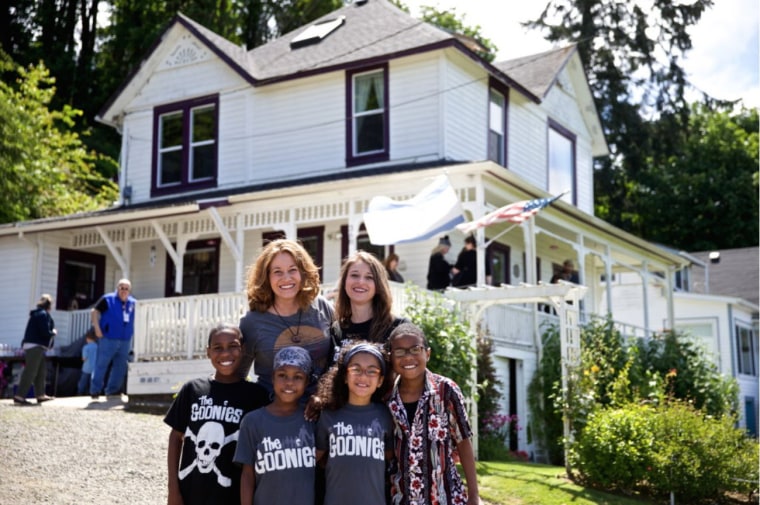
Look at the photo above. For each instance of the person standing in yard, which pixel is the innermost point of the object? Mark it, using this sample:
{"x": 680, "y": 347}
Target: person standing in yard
{"x": 285, "y": 309}
{"x": 89, "y": 358}
{"x": 38, "y": 338}
{"x": 113, "y": 320}
{"x": 205, "y": 418}
{"x": 431, "y": 426}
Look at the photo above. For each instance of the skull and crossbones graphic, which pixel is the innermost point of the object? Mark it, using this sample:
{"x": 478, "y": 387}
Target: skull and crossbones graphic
{"x": 208, "y": 445}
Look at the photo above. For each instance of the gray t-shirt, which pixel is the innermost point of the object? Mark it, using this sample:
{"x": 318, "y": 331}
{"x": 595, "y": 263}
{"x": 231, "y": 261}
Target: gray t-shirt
{"x": 266, "y": 333}
{"x": 281, "y": 451}
{"x": 355, "y": 439}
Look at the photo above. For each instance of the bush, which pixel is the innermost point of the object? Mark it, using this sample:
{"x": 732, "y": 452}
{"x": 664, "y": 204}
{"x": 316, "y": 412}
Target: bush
{"x": 615, "y": 449}
{"x": 671, "y": 447}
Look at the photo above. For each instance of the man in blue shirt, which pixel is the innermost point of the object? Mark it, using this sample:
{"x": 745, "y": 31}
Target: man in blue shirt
{"x": 113, "y": 319}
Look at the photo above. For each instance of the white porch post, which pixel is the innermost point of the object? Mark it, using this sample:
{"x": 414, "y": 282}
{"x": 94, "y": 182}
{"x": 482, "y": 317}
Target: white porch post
{"x": 669, "y": 298}
{"x": 115, "y": 252}
{"x": 235, "y": 248}
{"x": 608, "y": 277}
{"x": 645, "y": 289}
{"x": 480, "y": 237}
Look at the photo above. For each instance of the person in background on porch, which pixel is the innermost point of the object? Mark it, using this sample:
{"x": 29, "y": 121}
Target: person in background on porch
{"x": 205, "y": 420}
{"x": 439, "y": 270}
{"x": 465, "y": 269}
{"x": 567, "y": 273}
{"x": 38, "y": 338}
{"x": 391, "y": 266}
{"x": 431, "y": 425}
{"x": 113, "y": 320}
{"x": 285, "y": 309}
{"x": 89, "y": 358}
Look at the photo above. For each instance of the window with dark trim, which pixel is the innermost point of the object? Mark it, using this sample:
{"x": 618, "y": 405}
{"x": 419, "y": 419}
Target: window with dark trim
{"x": 562, "y": 170}
{"x": 367, "y": 135}
{"x": 185, "y": 146}
{"x": 312, "y": 239}
{"x": 200, "y": 269}
{"x": 363, "y": 244}
{"x": 499, "y": 256}
{"x": 81, "y": 279}
{"x": 497, "y": 122}
{"x": 746, "y": 346}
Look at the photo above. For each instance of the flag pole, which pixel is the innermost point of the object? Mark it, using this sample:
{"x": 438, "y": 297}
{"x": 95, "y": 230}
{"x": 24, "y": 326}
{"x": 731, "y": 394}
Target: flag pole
{"x": 501, "y": 233}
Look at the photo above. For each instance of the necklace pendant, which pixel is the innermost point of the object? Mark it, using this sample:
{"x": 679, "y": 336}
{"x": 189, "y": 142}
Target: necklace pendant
{"x": 296, "y": 339}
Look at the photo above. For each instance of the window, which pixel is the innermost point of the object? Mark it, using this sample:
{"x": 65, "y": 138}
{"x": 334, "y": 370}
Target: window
{"x": 747, "y": 348}
{"x": 363, "y": 244}
{"x": 498, "y": 255}
{"x": 81, "y": 279}
{"x": 200, "y": 269}
{"x": 367, "y": 104}
{"x": 561, "y": 162}
{"x": 497, "y": 123}
{"x": 312, "y": 239}
{"x": 185, "y": 146}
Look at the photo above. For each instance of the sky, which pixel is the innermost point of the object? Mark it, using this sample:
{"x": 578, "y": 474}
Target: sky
{"x": 723, "y": 61}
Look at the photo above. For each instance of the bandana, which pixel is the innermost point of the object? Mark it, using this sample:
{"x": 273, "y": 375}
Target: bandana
{"x": 369, "y": 349}
{"x": 293, "y": 356}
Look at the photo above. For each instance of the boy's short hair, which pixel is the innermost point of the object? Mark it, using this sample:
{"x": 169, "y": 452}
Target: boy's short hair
{"x": 407, "y": 329}
{"x": 224, "y": 327}
{"x": 293, "y": 356}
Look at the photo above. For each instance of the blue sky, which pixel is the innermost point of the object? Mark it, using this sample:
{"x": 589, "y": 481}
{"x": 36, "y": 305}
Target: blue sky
{"x": 724, "y": 61}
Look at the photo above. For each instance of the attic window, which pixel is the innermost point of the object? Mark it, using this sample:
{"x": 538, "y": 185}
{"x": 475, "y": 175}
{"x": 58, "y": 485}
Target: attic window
{"x": 316, "y": 32}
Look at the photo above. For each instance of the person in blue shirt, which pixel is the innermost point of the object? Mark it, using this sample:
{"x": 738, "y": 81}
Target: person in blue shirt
{"x": 89, "y": 358}
{"x": 113, "y": 319}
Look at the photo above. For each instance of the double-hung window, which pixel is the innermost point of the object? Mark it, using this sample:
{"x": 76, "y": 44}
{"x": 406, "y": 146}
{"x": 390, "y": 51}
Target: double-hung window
{"x": 367, "y": 104}
{"x": 497, "y": 123}
{"x": 562, "y": 173}
{"x": 746, "y": 344}
{"x": 185, "y": 146}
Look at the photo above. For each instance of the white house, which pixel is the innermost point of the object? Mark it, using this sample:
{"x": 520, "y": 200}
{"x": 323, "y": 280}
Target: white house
{"x": 223, "y": 147}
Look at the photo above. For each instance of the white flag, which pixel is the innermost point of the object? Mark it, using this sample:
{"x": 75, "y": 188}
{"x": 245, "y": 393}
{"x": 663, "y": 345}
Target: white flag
{"x": 434, "y": 210}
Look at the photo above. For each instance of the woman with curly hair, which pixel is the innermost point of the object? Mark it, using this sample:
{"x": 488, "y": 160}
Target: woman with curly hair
{"x": 285, "y": 309}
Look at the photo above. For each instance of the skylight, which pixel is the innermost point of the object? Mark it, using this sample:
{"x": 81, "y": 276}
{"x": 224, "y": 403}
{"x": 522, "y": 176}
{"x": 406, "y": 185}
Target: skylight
{"x": 316, "y": 32}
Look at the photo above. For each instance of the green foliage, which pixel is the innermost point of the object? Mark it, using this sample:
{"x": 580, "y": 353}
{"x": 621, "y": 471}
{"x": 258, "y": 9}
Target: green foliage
{"x": 614, "y": 451}
{"x": 44, "y": 168}
{"x": 449, "y": 21}
{"x": 670, "y": 447}
{"x": 451, "y": 343}
{"x": 615, "y": 372}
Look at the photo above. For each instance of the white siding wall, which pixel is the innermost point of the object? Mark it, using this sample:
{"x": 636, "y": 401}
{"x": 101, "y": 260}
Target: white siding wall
{"x": 526, "y": 144}
{"x": 465, "y": 100}
{"x": 20, "y": 287}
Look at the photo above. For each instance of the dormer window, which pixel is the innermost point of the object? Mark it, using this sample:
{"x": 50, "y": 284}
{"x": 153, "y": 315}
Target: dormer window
{"x": 317, "y": 32}
{"x": 367, "y": 129}
{"x": 185, "y": 146}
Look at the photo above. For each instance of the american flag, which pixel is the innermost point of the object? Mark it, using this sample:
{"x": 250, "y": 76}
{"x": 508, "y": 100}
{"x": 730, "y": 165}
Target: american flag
{"x": 514, "y": 213}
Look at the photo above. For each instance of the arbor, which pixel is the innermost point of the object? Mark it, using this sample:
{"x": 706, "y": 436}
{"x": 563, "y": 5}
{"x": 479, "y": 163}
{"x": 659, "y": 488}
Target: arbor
{"x": 633, "y": 59}
{"x": 44, "y": 168}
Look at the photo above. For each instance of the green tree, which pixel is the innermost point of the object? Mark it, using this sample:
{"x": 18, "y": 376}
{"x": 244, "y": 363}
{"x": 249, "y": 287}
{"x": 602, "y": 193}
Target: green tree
{"x": 44, "y": 168}
{"x": 704, "y": 194}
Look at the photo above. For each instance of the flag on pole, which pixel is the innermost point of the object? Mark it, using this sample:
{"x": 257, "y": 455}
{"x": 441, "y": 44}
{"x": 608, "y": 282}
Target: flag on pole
{"x": 514, "y": 213}
{"x": 433, "y": 210}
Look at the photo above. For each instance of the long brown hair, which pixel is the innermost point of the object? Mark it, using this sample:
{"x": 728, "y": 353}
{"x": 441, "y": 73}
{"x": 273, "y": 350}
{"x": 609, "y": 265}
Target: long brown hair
{"x": 260, "y": 294}
{"x": 382, "y": 302}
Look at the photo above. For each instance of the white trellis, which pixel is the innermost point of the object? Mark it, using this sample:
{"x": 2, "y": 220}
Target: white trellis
{"x": 565, "y": 297}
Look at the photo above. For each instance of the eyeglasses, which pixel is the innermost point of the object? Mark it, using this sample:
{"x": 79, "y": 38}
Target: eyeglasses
{"x": 369, "y": 372}
{"x": 400, "y": 352}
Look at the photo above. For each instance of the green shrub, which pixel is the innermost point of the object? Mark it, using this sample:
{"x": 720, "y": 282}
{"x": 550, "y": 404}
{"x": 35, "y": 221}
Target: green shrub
{"x": 452, "y": 346}
{"x": 614, "y": 450}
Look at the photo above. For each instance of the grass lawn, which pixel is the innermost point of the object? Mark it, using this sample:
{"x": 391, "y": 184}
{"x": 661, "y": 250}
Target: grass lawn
{"x": 517, "y": 483}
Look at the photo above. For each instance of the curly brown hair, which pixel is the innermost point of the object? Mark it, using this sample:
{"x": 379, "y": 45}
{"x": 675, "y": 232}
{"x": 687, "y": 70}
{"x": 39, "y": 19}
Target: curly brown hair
{"x": 382, "y": 302}
{"x": 259, "y": 290}
{"x": 333, "y": 390}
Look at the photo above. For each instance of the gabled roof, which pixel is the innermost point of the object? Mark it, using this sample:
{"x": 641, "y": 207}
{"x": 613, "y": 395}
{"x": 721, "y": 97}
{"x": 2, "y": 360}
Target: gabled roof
{"x": 372, "y": 31}
{"x": 538, "y": 72}
{"x": 736, "y": 273}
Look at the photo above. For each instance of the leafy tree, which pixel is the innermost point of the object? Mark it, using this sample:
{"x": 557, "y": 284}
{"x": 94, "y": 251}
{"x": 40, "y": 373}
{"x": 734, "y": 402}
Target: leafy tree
{"x": 44, "y": 168}
{"x": 703, "y": 194}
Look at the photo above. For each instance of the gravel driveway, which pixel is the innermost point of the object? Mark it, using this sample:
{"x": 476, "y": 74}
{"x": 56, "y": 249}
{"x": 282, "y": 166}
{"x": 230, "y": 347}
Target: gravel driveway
{"x": 78, "y": 451}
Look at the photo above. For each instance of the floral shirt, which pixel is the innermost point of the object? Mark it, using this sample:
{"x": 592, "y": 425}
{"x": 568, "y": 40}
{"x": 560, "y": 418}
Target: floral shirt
{"x": 427, "y": 474}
